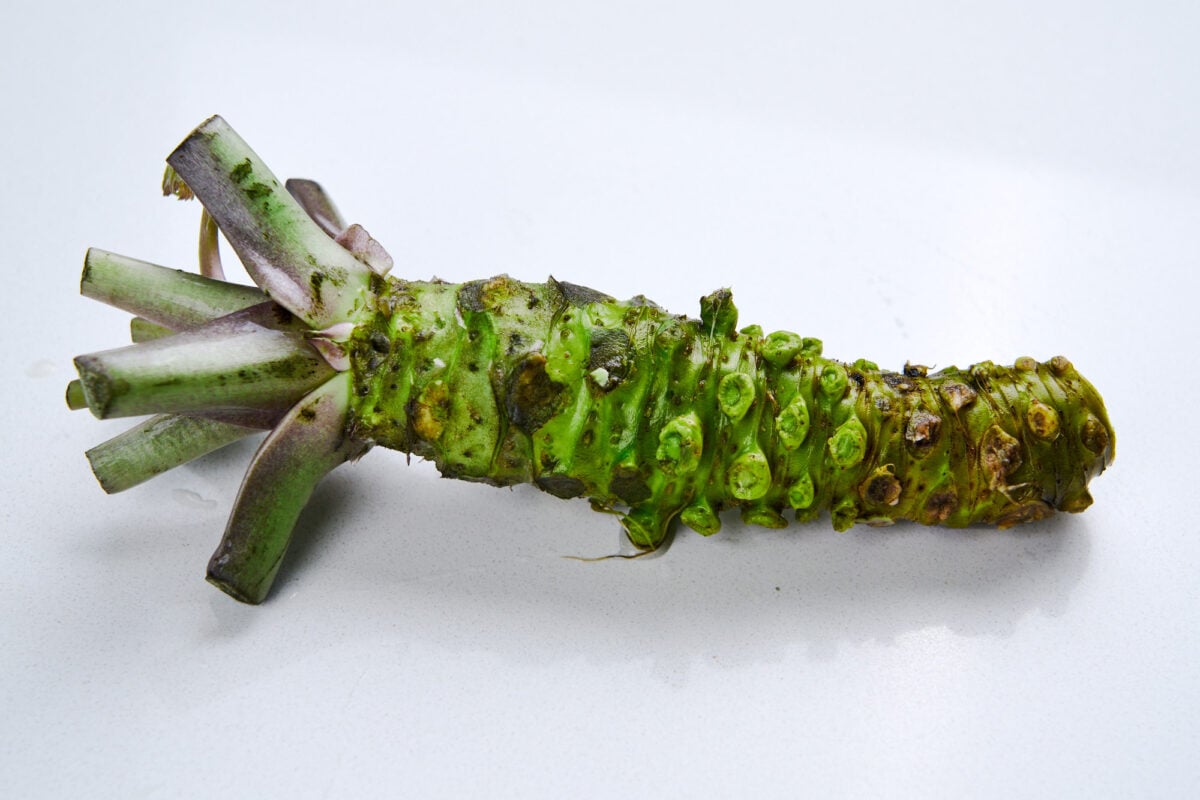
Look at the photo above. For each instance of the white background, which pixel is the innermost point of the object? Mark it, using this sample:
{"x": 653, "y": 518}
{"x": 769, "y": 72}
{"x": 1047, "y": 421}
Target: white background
{"x": 943, "y": 182}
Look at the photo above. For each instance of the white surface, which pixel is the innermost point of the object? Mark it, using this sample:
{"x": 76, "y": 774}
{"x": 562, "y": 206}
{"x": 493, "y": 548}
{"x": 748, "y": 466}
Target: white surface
{"x": 910, "y": 180}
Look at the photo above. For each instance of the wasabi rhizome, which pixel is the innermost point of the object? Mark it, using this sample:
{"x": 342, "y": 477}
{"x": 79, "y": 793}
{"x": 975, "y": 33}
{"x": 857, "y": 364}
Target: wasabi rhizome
{"x": 649, "y": 415}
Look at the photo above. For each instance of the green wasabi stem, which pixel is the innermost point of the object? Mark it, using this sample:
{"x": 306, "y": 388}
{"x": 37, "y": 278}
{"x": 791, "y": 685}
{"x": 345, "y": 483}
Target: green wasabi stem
{"x": 214, "y": 366}
{"x": 209, "y": 248}
{"x": 297, "y": 264}
{"x": 317, "y": 204}
{"x": 651, "y": 416}
{"x": 168, "y": 297}
{"x": 143, "y": 330}
{"x": 693, "y": 417}
{"x": 161, "y": 443}
{"x": 76, "y": 400}
{"x": 307, "y": 444}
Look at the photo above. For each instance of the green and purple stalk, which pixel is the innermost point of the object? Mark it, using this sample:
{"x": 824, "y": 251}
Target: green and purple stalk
{"x": 649, "y": 415}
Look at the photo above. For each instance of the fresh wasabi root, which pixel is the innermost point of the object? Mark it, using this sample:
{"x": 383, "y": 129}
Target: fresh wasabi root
{"x": 650, "y": 416}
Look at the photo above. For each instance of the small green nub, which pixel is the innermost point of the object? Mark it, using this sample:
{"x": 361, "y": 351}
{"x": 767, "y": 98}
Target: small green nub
{"x": 763, "y": 516}
{"x": 780, "y": 347}
{"x": 866, "y": 365}
{"x": 792, "y": 424}
{"x": 749, "y": 476}
{"x": 701, "y": 518}
{"x": 833, "y": 382}
{"x": 810, "y": 347}
{"x": 680, "y": 444}
{"x": 1042, "y": 421}
{"x": 1077, "y": 502}
{"x": 802, "y": 493}
{"x": 1026, "y": 364}
{"x": 844, "y": 514}
{"x": 718, "y": 314}
{"x": 810, "y": 514}
{"x": 735, "y": 395}
{"x": 645, "y": 527}
{"x": 752, "y": 331}
{"x": 1093, "y": 434}
{"x": 848, "y": 444}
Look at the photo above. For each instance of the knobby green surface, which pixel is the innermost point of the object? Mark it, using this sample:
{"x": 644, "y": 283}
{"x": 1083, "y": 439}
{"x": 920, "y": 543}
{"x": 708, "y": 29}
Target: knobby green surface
{"x": 652, "y": 416}
{"x": 665, "y": 417}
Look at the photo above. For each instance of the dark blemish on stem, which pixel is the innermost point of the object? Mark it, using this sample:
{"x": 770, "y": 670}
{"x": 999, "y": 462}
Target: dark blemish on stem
{"x": 429, "y": 412}
{"x": 1093, "y": 435}
{"x": 957, "y": 395}
{"x": 612, "y": 351}
{"x": 939, "y": 507}
{"x": 380, "y": 342}
{"x": 1000, "y": 455}
{"x": 882, "y": 489}
{"x": 629, "y": 486}
{"x": 900, "y": 383}
{"x": 561, "y": 486}
{"x": 580, "y": 296}
{"x": 922, "y": 432}
{"x": 1030, "y": 511}
{"x": 532, "y": 397}
{"x": 241, "y": 171}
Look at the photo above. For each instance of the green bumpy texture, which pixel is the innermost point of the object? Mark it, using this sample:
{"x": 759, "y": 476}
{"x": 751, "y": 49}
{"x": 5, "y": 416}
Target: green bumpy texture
{"x": 658, "y": 417}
